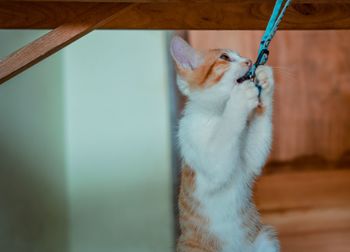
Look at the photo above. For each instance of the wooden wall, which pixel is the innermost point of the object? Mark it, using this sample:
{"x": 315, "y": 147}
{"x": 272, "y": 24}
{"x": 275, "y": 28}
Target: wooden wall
{"x": 305, "y": 192}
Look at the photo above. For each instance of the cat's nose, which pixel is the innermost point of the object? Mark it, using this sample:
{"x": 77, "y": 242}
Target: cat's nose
{"x": 248, "y": 62}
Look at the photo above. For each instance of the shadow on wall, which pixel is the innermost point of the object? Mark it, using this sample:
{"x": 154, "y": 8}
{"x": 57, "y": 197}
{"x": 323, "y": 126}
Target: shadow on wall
{"x": 33, "y": 198}
{"x": 115, "y": 182}
{"x": 32, "y": 216}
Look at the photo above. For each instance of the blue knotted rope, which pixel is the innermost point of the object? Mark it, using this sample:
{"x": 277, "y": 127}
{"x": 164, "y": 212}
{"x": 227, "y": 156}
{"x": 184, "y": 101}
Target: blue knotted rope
{"x": 272, "y": 26}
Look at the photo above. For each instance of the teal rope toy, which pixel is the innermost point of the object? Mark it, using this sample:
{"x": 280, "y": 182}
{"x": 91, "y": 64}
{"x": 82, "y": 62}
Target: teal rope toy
{"x": 272, "y": 26}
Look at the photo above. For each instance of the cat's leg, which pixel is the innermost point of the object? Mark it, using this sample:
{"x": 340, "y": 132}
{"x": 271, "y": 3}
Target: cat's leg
{"x": 223, "y": 153}
{"x": 259, "y": 132}
{"x": 266, "y": 241}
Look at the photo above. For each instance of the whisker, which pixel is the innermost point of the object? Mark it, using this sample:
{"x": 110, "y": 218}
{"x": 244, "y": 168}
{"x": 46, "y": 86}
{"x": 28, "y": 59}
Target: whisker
{"x": 288, "y": 72}
{"x": 285, "y": 69}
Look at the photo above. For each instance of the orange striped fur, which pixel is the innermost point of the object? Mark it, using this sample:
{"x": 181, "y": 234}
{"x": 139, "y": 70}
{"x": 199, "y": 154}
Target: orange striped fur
{"x": 195, "y": 236}
{"x": 207, "y": 74}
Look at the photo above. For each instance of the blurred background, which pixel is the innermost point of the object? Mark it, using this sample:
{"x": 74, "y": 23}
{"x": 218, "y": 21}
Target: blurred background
{"x": 85, "y": 147}
{"x": 88, "y": 161}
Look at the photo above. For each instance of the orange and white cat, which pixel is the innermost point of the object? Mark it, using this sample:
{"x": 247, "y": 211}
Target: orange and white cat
{"x": 225, "y": 138}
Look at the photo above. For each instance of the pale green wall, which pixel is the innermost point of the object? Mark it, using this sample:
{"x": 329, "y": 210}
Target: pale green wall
{"x": 84, "y": 137}
{"x": 33, "y": 188}
{"x": 118, "y": 139}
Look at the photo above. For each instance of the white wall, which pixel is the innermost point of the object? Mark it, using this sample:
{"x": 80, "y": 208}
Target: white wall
{"x": 33, "y": 188}
{"x": 117, "y": 127}
{"x": 85, "y": 138}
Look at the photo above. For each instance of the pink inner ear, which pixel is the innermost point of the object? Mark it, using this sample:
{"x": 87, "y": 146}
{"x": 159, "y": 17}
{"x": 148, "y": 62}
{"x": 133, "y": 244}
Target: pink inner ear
{"x": 183, "y": 53}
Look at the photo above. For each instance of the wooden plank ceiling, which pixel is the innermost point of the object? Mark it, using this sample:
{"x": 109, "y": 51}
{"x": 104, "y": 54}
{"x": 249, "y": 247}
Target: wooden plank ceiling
{"x": 180, "y": 14}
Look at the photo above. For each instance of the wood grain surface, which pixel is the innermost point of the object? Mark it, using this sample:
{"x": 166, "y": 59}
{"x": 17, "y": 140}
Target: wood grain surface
{"x": 281, "y": 192}
{"x": 53, "y": 41}
{"x": 310, "y": 210}
{"x": 182, "y": 1}
{"x": 237, "y": 15}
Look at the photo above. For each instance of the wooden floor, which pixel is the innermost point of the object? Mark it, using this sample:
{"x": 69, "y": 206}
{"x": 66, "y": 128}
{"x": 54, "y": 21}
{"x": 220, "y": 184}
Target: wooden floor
{"x": 310, "y": 209}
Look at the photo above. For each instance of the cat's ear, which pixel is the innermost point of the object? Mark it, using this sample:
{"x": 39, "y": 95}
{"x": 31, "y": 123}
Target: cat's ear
{"x": 184, "y": 55}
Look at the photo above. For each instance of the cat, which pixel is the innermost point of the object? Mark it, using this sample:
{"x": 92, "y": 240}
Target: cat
{"x": 224, "y": 137}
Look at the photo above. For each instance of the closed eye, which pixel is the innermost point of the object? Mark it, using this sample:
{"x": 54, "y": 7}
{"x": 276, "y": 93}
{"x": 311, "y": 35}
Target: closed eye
{"x": 225, "y": 57}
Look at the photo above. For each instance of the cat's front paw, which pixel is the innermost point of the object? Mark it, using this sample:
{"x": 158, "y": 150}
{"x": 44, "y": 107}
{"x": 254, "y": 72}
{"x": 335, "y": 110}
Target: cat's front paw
{"x": 264, "y": 76}
{"x": 245, "y": 95}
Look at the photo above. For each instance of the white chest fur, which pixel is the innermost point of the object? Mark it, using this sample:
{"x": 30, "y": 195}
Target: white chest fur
{"x": 224, "y": 211}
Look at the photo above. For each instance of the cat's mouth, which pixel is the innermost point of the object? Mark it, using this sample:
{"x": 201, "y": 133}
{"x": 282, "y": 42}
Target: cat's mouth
{"x": 243, "y": 77}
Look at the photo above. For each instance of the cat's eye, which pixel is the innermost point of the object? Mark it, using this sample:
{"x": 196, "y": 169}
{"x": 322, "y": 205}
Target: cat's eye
{"x": 224, "y": 56}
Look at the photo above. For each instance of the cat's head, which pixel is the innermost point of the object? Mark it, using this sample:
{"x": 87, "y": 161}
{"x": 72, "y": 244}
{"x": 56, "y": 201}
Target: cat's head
{"x": 197, "y": 71}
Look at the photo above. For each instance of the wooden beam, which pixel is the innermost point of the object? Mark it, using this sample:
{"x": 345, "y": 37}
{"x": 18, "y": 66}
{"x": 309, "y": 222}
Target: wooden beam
{"x": 186, "y": 1}
{"x": 246, "y": 15}
{"x": 89, "y": 19}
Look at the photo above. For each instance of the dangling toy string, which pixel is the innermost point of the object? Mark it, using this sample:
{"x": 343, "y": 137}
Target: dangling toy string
{"x": 275, "y": 19}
